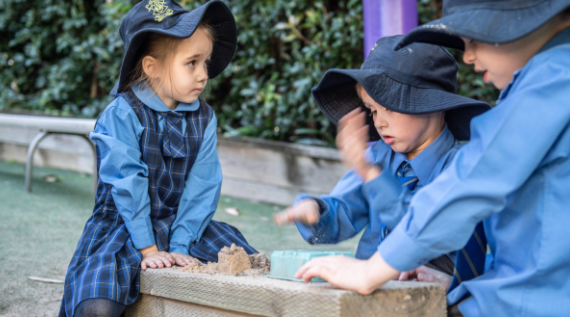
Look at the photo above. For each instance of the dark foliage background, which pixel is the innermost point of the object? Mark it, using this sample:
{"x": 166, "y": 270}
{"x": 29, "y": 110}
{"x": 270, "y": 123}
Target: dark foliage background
{"x": 62, "y": 58}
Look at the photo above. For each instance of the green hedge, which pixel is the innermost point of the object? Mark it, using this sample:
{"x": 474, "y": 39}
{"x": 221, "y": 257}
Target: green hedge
{"x": 62, "y": 57}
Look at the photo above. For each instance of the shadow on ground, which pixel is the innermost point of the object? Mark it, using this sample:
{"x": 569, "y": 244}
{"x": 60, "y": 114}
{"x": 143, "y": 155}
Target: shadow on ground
{"x": 39, "y": 232}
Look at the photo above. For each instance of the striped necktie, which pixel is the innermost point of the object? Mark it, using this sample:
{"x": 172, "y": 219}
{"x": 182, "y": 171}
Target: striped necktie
{"x": 409, "y": 182}
{"x": 173, "y": 142}
{"x": 470, "y": 261}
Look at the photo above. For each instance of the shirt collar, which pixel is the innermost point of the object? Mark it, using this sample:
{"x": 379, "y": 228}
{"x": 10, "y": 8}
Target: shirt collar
{"x": 424, "y": 163}
{"x": 151, "y": 99}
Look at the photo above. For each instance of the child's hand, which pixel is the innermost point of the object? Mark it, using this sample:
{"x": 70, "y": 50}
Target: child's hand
{"x": 426, "y": 274}
{"x": 183, "y": 259}
{"x": 306, "y": 211}
{"x": 352, "y": 141}
{"x": 361, "y": 276}
{"x": 155, "y": 259}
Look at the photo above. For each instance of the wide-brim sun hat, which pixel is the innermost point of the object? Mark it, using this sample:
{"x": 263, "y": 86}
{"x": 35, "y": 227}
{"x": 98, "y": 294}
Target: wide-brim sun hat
{"x": 169, "y": 18}
{"x": 419, "y": 79}
{"x": 494, "y": 22}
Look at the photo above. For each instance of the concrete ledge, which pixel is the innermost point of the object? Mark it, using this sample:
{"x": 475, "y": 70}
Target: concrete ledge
{"x": 263, "y": 296}
{"x": 259, "y": 170}
{"x": 151, "y": 306}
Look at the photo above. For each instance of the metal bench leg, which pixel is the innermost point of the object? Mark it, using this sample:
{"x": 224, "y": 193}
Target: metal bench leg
{"x": 30, "y": 158}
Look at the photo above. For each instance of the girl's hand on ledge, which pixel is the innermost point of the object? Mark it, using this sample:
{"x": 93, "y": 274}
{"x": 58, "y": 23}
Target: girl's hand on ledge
{"x": 183, "y": 259}
{"x": 155, "y": 259}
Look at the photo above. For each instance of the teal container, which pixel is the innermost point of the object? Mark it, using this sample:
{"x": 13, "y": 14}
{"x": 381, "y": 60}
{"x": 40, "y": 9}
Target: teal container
{"x": 284, "y": 264}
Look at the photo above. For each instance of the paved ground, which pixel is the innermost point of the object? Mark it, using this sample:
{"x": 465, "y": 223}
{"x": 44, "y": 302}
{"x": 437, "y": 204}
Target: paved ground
{"x": 39, "y": 231}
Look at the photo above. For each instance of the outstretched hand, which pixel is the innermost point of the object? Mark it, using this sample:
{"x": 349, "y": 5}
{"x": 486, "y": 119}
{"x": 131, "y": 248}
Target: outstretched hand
{"x": 306, "y": 211}
{"x": 361, "y": 276}
{"x": 352, "y": 141}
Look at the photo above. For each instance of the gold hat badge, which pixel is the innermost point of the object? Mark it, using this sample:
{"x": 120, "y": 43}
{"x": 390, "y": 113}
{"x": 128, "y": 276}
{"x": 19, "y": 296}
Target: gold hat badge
{"x": 159, "y": 9}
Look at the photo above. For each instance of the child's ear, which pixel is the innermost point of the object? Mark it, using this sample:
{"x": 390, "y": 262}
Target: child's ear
{"x": 150, "y": 66}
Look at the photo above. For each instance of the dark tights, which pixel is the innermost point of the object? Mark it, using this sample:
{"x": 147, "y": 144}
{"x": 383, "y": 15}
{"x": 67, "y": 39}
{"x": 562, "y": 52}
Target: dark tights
{"x": 98, "y": 307}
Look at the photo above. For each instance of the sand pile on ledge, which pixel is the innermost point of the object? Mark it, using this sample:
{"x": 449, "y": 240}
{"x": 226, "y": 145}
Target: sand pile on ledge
{"x": 232, "y": 261}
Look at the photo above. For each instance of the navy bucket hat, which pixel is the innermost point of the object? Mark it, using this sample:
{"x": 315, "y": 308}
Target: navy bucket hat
{"x": 494, "y": 22}
{"x": 419, "y": 79}
{"x": 169, "y": 18}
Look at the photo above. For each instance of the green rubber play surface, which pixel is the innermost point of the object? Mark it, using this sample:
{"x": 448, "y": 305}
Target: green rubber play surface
{"x": 39, "y": 232}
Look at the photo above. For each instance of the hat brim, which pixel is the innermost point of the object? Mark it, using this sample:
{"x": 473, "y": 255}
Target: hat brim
{"x": 336, "y": 96}
{"x": 218, "y": 16}
{"x": 487, "y": 25}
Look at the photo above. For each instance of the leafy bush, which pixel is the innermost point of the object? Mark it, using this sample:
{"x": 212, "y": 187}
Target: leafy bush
{"x": 59, "y": 57}
{"x": 62, "y": 57}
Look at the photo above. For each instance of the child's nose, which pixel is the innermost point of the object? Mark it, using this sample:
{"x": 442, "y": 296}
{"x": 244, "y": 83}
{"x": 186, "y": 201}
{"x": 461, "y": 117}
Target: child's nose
{"x": 203, "y": 74}
{"x": 380, "y": 122}
{"x": 468, "y": 56}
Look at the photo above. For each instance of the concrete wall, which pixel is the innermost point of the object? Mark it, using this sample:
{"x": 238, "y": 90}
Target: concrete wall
{"x": 259, "y": 170}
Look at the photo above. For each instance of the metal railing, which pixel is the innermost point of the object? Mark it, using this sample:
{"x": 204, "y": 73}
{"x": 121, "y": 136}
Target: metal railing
{"x": 47, "y": 126}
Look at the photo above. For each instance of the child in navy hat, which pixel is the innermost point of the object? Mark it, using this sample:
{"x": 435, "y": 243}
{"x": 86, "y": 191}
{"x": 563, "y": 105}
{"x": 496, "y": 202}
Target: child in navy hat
{"x": 513, "y": 175}
{"x": 412, "y": 107}
{"x": 159, "y": 176}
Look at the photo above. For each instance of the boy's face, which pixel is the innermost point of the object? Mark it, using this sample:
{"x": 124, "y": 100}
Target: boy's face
{"x": 499, "y": 62}
{"x": 404, "y": 133}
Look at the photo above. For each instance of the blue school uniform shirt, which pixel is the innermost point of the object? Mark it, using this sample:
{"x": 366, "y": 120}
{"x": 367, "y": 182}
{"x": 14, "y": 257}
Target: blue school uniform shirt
{"x": 352, "y": 205}
{"x": 119, "y": 130}
{"x": 514, "y": 175}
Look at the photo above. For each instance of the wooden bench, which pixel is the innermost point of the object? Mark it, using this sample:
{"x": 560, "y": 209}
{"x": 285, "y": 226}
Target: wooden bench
{"x": 47, "y": 126}
{"x": 168, "y": 292}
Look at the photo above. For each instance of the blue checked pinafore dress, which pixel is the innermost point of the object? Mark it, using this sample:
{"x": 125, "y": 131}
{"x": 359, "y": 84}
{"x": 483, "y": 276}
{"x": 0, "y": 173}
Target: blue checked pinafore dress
{"x": 106, "y": 264}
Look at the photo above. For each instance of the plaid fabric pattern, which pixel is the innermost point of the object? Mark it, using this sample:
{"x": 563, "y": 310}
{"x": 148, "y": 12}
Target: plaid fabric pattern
{"x": 216, "y": 236}
{"x": 173, "y": 141}
{"x": 105, "y": 263}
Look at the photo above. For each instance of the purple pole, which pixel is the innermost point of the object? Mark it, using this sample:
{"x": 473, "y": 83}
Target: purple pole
{"x": 386, "y": 18}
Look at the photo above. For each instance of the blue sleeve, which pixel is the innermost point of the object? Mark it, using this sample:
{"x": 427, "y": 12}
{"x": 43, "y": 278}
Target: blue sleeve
{"x": 507, "y": 145}
{"x": 201, "y": 194}
{"x": 117, "y": 136}
{"x": 392, "y": 204}
{"x": 344, "y": 212}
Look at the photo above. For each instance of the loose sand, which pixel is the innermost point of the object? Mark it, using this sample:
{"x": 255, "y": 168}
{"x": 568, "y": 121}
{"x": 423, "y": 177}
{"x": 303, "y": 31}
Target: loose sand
{"x": 232, "y": 261}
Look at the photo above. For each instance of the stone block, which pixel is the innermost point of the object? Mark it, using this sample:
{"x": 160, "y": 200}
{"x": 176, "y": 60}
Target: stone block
{"x": 261, "y": 296}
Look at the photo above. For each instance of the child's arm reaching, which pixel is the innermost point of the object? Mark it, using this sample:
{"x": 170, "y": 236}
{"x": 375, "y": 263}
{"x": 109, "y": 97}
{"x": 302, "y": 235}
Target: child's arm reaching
{"x": 362, "y": 276}
{"x": 345, "y": 211}
{"x": 330, "y": 218}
